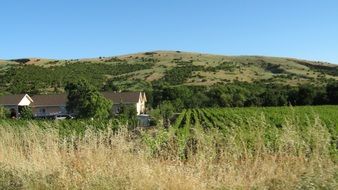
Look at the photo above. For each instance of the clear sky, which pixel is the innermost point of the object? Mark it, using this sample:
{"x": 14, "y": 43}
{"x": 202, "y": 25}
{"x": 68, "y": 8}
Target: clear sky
{"x": 90, "y": 28}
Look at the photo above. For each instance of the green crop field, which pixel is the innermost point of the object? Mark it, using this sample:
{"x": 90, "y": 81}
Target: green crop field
{"x": 275, "y": 116}
{"x": 271, "y": 121}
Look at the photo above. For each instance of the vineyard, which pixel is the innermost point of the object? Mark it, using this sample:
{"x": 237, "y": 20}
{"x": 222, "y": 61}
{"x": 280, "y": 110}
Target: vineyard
{"x": 271, "y": 122}
{"x": 223, "y": 118}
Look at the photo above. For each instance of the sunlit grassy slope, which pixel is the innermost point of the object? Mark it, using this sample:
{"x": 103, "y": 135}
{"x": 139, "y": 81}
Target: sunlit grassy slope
{"x": 213, "y": 68}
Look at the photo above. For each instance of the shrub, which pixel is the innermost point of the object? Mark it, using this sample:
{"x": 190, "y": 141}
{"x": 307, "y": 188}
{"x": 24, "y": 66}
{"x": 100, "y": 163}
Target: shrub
{"x": 26, "y": 113}
{"x": 4, "y": 113}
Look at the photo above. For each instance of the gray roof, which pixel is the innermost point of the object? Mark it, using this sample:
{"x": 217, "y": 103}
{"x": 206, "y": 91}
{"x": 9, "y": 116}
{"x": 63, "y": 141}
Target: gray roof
{"x": 122, "y": 97}
{"x": 11, "y": 99}
{"x": 61, "y": 99}
{"x": 49, "y": 100}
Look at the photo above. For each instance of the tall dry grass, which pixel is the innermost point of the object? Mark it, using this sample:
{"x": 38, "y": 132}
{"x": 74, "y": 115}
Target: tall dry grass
{"x": 255, "y": 157}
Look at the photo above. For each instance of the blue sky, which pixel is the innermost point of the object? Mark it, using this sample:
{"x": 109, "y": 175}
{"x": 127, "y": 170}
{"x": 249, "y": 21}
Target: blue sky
{"x": 90, "y": 28}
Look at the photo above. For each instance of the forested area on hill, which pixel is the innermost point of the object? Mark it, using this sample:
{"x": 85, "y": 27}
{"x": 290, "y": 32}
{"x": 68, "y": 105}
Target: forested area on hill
{"x": 34, "y": 79}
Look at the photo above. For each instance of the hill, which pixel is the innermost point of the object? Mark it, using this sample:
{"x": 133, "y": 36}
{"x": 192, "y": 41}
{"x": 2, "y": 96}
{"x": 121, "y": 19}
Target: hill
{"x": 135, "y": 71}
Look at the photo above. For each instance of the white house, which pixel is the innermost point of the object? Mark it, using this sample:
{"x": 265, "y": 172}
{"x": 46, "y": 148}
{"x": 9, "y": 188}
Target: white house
{"x": 55, "y": 104}
{"x": 136, "y": 99}
{"x": 15, "y": 103}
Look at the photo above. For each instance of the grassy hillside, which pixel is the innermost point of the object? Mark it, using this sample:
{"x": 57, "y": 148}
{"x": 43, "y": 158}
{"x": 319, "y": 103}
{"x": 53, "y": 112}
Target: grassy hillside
{"x": 173, "y": 67}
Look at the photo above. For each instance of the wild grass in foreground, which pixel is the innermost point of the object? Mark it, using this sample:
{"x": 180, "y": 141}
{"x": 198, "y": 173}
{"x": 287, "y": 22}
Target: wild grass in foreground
{"x": 255, "y": 155}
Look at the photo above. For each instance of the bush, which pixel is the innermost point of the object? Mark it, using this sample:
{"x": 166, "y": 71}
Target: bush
{"x": 167, "y": 111}
{"x": 4, "y": 113}
{"x": 128, "y": 114}
{"x": 26, "y": 113}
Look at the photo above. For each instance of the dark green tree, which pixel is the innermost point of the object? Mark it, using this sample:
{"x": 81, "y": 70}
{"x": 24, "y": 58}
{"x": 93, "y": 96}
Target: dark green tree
{"x": 86, "y": 101}
{"x": 306, "y": 95}
{"x": 274, "y": 98}
{"x": 129, "y": 113}
{"x": 198, "y": 100}
{"x": 218, "y": 98}
{"x": 332, "y": 92}
{"x": 167, "y": 111}
{"x": 292, "y": 95}
{"x": 26, "y": 113}
{"x": 111, "y": 86}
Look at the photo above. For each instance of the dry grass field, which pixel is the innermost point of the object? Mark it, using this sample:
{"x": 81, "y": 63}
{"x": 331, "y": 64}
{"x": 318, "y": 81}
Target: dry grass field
{"x": 257, "y": 156}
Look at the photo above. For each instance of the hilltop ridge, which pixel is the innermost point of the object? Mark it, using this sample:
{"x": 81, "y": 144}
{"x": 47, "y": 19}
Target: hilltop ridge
{"x": 176, "y": 68}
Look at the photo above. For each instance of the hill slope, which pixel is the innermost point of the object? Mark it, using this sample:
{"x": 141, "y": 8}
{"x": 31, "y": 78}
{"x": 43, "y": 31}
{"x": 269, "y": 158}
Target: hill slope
{"x": 174, "y": 67}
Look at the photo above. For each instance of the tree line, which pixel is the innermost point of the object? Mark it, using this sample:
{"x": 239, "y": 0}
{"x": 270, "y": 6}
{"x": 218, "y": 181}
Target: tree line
{"x": 242, "y": 94}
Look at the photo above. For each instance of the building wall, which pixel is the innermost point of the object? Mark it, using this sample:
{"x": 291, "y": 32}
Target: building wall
{"x": 140, "y": 107}
{"x": 25, "y": 101}
{"x": 49, "y": 110}
{"x": 61, "y": 110}
{"x": 143, "y": 105}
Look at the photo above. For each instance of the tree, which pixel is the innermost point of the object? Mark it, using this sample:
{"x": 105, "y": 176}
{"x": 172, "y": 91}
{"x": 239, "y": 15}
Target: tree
{"x": 218, "y": 99}
{"x": 199, "y": 100}
{"x": 129, "y": 113}
{"x": 182, "y": 97}
{"x": 306, "y": 95}
{"x": 167, "y": 111}
{"x": 178, "y": 104}
{"x": 111, "y": 86}
{"x": 26, "y": 113}
{"x": 292, "y": 95}
{"x": 225, "y": 100}
{"x": 86, "y": 101}
{"x": 274, "y": 97}
{"x": 321, "y": 97}
{"x": 238, "y": 99}
{"x": 332, "y": 92}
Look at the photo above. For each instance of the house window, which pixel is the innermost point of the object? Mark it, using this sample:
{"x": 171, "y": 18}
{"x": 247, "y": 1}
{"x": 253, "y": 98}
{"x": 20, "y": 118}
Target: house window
{"x": 42, "y": 110}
